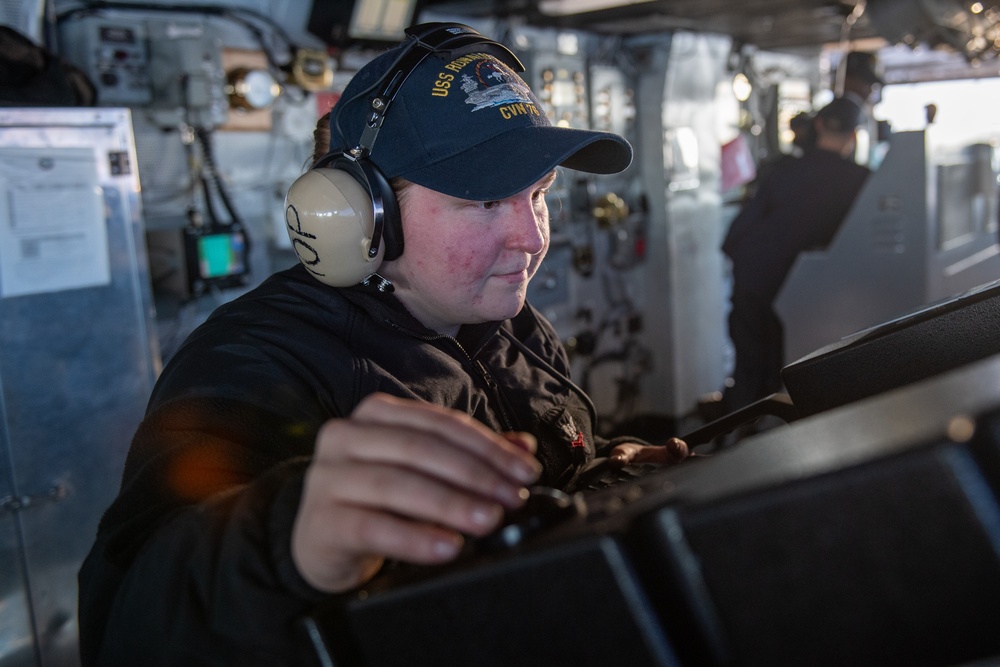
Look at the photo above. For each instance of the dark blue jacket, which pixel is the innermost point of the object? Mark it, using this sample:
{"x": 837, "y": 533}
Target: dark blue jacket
{"x": 799, "y": 206}
{"x": 192, "y": 562}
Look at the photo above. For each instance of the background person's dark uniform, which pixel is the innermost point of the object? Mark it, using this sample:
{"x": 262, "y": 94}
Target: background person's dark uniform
{"x": 862, "y": 84}
{"x": 798, "y": 206}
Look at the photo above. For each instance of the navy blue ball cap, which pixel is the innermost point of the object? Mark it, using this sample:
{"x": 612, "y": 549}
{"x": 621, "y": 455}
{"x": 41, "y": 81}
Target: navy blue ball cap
{"x": 864, "y": 66}
{"x": 465, "y": 124}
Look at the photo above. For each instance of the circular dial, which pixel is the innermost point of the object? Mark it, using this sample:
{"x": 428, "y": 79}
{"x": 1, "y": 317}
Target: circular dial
{"x": 252, "y": 88}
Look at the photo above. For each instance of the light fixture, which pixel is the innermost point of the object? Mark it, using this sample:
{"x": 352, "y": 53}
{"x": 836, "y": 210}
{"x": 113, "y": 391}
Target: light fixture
{"x": 311, "y": 69}
{"x": 742, "y": 87}
{"x": 567, "y": 7}
{"x": 251, "y": 89}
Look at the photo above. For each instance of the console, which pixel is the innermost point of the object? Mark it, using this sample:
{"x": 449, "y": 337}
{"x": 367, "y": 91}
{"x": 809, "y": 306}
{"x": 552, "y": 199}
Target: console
{"x": 926, "y": 342}
{"x": 866, "y": 535}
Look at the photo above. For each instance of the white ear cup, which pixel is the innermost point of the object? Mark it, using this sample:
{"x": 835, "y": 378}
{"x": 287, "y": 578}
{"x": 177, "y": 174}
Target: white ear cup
{"x": 330, "y": 220}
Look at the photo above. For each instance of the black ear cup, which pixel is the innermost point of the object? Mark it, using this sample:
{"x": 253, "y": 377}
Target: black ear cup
{"x": 336, "y": 215}
{"x": 384, "y": 200}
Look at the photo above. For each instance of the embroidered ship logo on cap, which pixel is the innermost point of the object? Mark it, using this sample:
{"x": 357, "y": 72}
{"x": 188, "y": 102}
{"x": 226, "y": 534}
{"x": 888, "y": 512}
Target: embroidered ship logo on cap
{"x": 489, "y": 84}
{"x": 494, "y": 85}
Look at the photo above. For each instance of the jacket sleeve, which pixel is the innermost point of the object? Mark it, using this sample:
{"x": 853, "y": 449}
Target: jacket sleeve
{"x": 192, "y": 563}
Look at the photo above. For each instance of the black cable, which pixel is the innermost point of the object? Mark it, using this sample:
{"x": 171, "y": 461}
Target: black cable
{"x": 561, "y": 377}
{"x": 213, "y": 215}
{"x": 50, "y": 37}
{"x": 210, "y": 176}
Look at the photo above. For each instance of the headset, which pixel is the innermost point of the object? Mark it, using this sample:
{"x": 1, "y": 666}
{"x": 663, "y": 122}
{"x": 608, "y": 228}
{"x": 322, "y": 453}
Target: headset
{"x": 342, "y": 216}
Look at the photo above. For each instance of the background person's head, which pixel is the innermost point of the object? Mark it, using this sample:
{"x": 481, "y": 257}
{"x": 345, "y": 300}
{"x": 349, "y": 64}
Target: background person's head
{"x": 861, "y": 76}
{"x": 803, "y": 131}
{"x": 836, "y": 126}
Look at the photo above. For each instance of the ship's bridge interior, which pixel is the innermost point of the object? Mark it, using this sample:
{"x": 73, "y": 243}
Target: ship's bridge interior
{"x": 853, "y": 517}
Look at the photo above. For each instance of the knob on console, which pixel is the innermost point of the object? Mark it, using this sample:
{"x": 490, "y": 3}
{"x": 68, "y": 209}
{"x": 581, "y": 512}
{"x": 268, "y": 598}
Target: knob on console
{"x": 545, "y": 507}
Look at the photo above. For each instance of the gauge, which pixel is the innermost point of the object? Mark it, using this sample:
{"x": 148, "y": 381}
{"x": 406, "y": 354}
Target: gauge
{"x": 251, "y": 88}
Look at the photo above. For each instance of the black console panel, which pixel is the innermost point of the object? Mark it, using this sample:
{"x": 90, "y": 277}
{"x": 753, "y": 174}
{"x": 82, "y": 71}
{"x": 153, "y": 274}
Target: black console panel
{"x": 866, "y": 535}
{"x": 924, "y": 343}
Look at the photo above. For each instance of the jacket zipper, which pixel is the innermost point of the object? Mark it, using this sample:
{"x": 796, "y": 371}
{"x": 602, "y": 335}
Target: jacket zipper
{"x": 491, "y": 384}
{"x": 495, "y": 390}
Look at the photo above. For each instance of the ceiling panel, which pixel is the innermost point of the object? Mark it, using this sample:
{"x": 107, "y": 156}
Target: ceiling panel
{"x": 767, "y": 24}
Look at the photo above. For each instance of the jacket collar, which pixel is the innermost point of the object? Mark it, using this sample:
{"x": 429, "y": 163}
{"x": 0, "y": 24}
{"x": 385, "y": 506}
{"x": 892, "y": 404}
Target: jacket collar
{"x": 383, "y": 306}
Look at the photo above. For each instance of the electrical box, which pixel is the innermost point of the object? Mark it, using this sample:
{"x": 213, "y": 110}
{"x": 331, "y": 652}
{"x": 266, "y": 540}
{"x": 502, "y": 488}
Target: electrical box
{"x": 113, "y": 54}
{"x": 171, "y": 67}
{"x": 185, "y": 62}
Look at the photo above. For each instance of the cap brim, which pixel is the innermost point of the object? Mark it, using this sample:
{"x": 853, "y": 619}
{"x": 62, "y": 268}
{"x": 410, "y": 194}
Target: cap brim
{"x": 511, "y": 162}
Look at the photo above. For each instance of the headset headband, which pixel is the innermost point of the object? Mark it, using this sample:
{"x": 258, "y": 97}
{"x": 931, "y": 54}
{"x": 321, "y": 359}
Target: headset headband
{"x": 454, "y": 39}
{"x": 423, "y": 40}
